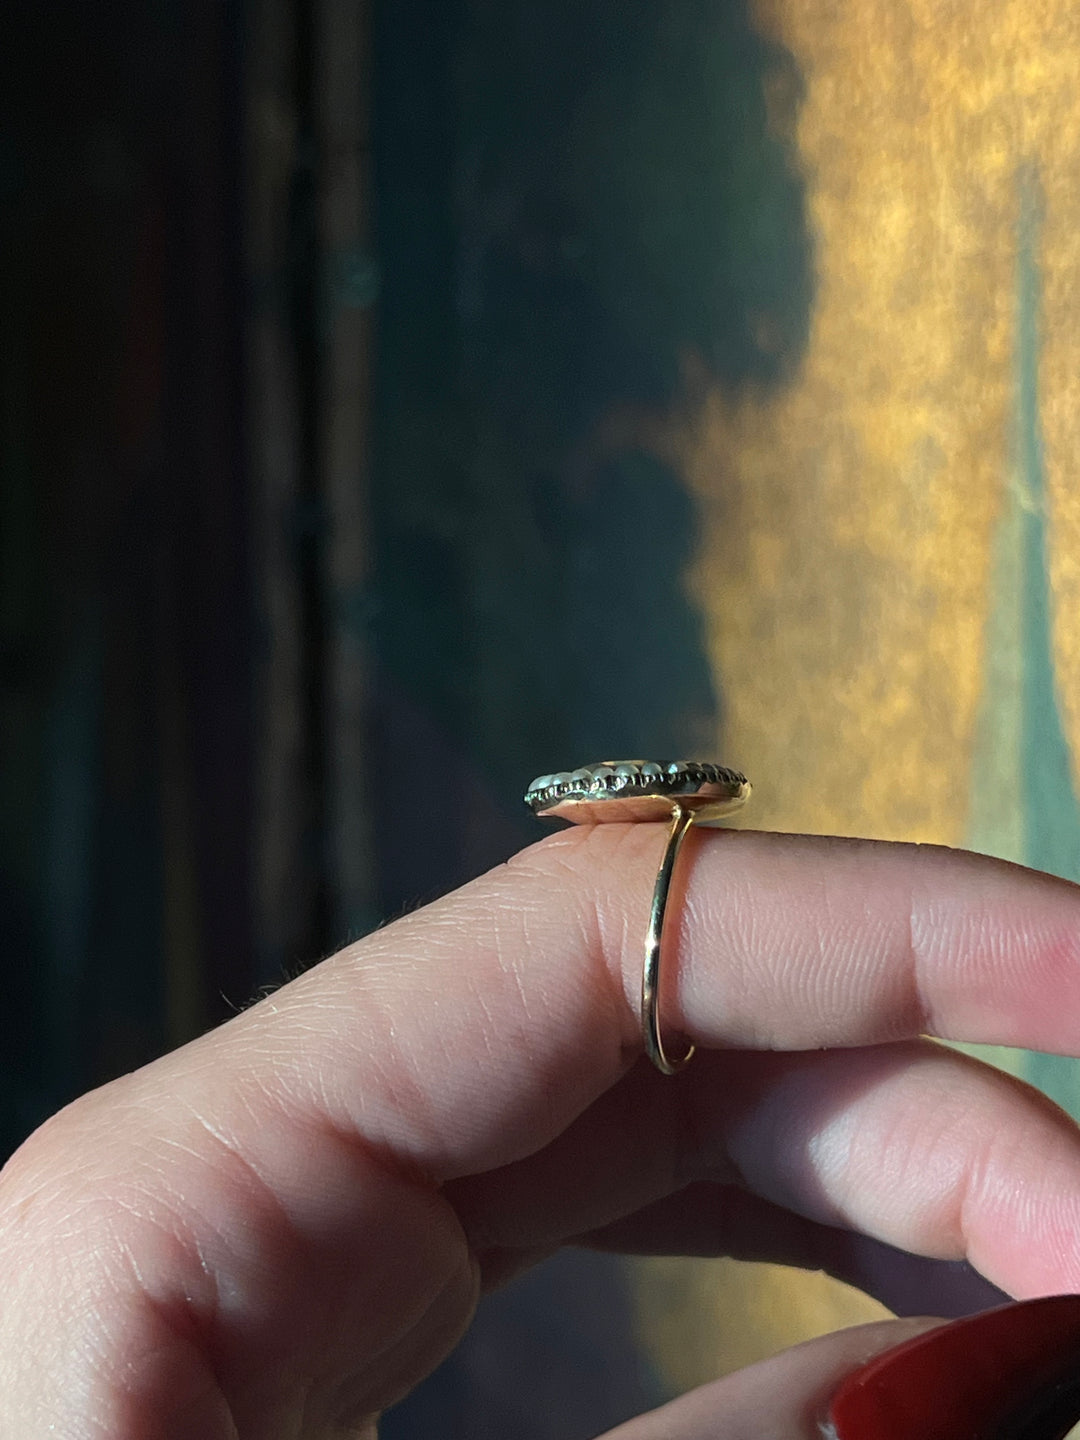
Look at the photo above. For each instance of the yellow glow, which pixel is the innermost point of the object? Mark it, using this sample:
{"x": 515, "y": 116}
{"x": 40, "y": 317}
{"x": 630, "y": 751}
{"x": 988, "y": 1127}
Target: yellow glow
{"x": 844, "y": 567}
{"x": 705, "y": 1318}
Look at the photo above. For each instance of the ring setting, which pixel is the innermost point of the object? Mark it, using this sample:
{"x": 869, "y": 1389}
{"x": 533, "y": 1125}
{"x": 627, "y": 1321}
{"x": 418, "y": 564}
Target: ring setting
{"x": 684, "y": 793}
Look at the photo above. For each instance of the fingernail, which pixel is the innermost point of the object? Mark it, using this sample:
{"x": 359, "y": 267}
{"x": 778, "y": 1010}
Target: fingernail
{"x": 1008, "y": 1374}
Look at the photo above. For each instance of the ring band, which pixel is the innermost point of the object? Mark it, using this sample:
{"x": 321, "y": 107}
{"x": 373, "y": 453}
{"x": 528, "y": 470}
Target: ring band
{"x": 684, "y": 793}
{"x": 681, "y": 820}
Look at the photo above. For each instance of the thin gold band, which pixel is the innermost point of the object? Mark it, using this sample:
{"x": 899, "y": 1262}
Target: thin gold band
{"x": 681, "y": 821}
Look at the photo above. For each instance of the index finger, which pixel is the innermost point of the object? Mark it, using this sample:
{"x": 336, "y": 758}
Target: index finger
{"x": 471, "y": 1033}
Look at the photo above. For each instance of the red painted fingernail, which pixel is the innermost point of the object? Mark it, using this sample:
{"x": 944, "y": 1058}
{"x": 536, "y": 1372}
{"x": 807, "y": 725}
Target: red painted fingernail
{"x": 1008, "y": 1374}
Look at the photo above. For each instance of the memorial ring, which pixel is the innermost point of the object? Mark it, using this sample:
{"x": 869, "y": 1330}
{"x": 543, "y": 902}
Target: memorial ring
{"x": 683, "y": 793}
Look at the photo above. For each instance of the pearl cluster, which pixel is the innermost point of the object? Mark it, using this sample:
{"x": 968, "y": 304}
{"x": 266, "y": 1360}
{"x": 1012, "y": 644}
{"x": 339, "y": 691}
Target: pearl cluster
{"x": 628, "y": 777}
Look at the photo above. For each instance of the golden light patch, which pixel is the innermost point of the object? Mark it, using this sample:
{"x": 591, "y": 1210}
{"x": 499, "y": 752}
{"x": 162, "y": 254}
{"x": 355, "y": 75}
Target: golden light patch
{"x": 706, "y": 1318}
{"x": 848, "y": 519}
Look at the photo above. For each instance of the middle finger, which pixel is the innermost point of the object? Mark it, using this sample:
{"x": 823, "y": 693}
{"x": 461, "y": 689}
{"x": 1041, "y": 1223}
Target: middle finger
{"x": 912, "y": 1144}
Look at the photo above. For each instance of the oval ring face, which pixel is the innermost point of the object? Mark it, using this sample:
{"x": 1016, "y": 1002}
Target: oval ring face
{"x": 621, "y": 790}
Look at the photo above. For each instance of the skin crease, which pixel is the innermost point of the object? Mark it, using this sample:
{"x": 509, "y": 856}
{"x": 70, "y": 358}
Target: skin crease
{"x": 275, "y": 1232}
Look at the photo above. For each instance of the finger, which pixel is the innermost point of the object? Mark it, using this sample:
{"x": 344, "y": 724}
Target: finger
{"x": 912, "y": 1144}
{"x": 709, "y": 1220}
{"x": 784, "y": 1398}
{"x": 251, "y": 1182}
{"x": 474, "y": 1031}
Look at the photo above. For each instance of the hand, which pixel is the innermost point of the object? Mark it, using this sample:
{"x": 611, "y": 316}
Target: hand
{"x": 276, "y": 1231}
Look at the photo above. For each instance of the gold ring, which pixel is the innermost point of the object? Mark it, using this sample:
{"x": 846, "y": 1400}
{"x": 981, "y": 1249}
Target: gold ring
{"x": 684, "y": 793}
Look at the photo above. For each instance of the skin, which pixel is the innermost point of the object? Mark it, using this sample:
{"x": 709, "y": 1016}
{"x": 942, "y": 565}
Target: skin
{"x": 276, "y": 1231}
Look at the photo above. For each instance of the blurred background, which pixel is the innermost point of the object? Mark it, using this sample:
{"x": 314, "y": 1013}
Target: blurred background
{"x": 478, "y": 389}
